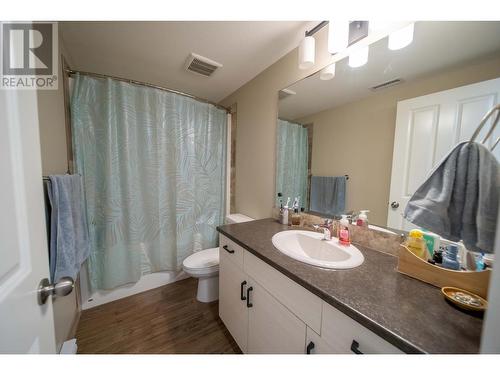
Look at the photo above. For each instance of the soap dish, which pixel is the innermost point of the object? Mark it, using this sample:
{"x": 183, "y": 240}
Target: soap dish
{"x": 464, "y": 299}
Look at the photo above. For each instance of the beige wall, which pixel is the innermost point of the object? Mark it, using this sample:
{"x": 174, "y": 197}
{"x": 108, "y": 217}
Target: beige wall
{"x": 257, "y": 106}
{"x": 357, "y": 138}
{"x": 54, "y": 161}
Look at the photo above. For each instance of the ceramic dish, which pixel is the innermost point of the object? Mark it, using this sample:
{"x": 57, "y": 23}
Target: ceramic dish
{"x": 464, "y": 299}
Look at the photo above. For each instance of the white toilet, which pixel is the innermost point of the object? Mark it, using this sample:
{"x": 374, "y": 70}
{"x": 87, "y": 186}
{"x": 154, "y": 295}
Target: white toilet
{"x": 204, "y": 265}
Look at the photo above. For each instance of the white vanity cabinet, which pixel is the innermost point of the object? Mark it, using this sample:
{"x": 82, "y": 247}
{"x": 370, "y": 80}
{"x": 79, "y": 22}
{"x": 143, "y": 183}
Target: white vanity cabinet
{"x": 272, "y": 328}
{"x": 258, "y": 322}
{"x": 232, "y": 308}
{"x": 266, "y": 312}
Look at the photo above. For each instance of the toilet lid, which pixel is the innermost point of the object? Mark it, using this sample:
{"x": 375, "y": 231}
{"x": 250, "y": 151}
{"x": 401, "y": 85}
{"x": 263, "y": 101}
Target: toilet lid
{"x": 202, "y": 259}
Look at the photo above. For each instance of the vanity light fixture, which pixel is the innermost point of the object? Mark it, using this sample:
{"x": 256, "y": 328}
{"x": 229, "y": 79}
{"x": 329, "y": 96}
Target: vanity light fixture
{"x": 401, "y": 38}
{"x": 327, "y": 73}
{"x": 307, "y": 52}
{"x": 338, "y": 36}
{"x": 358, "y": 57}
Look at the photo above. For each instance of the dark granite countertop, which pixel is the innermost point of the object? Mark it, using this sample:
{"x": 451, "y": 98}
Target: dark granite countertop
{"x": 409, "y": 314}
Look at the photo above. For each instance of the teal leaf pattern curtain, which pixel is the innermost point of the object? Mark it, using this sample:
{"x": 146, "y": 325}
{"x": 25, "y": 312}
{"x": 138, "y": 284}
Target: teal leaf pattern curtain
{"x": 292, "y": 161}
{"x": 153, "y": 166}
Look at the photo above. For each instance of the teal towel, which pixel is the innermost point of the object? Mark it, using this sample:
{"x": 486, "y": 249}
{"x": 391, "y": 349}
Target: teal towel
{"x": 328, "y": 194}
{"x": 69, "y": 234}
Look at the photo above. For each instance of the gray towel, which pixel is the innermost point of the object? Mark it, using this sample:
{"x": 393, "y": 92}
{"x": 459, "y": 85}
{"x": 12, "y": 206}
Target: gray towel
{"x": 459, "y": 200}
{"x": 328, "y": 195}
{"x": 69, "y": 238}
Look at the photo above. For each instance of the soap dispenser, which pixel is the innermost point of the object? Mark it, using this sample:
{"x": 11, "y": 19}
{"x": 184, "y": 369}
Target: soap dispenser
{"x": 344, "y": 233}
{"x": 362, "y": 219}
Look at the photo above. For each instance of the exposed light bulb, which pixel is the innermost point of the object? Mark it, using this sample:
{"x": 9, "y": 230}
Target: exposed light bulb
{"x": 358, "y": 57}
{"x": 327, "y": 73}
{"x": 401, "y": 38}
{"x": 307, "y": 52}
{"x": 338, "y": 36}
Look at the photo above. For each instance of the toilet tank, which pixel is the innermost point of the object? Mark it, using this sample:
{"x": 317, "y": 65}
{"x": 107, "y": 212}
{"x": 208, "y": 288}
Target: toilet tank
{"x": 237, "y": 218}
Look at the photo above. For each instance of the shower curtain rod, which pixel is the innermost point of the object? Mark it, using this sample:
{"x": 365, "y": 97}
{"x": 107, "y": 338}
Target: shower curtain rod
{"x": 97, "y": 75}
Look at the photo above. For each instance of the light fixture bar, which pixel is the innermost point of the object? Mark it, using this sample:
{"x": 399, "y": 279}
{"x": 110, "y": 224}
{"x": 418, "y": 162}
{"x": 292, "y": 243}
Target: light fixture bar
{"x": 316, "y": 28}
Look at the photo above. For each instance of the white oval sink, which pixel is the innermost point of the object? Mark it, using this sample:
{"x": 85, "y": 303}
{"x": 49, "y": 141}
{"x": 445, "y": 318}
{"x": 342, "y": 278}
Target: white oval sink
{"x": 309, "y": 247}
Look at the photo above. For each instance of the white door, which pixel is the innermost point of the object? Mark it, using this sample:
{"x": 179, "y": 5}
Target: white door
{"x": 233, "y": 310}
{"x": 427, "y": 128}
{"x": 25, "y": 326}
{"x": 272, "y": 328}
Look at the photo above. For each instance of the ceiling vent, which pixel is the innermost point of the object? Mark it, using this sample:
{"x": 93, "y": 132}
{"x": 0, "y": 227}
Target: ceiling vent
{"x": 387, "y": 84}
{"x": 201, "y": 65}
{"x": 285, "y": 93}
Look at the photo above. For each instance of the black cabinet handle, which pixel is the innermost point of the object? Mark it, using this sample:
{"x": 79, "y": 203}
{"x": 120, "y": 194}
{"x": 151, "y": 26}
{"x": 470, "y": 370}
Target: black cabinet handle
{"x": 309, "y": 347}
{"x": 249, "y": 304}
{"x": 228, "y": 249}
{"x": 243, "y": 283}
{"x": 355, "y": 347}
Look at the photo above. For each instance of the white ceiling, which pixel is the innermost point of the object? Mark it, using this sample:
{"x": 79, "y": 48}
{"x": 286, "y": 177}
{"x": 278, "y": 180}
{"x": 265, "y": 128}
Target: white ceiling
{"x": 155, "y": 52}
{"x": 436, "y": 46}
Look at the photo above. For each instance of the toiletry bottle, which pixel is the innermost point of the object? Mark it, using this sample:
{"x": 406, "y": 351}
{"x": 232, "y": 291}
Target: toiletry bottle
{"x": 488, "y": 260}
{"x": 362, "y": 219}
{"x": 296, "y": 218}
{"x": 438, "y": 255}
{"x": 450, "y": 259}
{"x": 280, "y": 215}
{"x": 344, "y": 234}
{"x": 432, "y": 242}
{"x": 416, "y": 243}
{"x": 284, "y": 219}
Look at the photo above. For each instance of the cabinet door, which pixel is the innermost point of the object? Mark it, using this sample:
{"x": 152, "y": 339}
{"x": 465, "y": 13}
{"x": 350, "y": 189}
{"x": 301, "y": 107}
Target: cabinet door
{"x": 346, "y": 336}
{"x": 315, "y": 344}
{"x": 232, "y": 309}
{"x": 272, "y": 328}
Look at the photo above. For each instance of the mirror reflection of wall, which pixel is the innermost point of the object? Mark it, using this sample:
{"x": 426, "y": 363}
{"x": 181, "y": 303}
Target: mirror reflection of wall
{"x": 388, "y": 122}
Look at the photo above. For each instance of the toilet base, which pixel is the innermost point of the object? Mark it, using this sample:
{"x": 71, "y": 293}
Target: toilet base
{"x": 208, "y": 289}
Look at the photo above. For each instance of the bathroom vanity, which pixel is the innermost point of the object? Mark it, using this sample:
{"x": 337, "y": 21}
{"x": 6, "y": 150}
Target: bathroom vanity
{"x": 271, "y": 303}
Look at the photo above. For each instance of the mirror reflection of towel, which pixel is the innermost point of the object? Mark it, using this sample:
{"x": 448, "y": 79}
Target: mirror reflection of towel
{"x": 459, "y": 199}
{"x": 328, "y": 194}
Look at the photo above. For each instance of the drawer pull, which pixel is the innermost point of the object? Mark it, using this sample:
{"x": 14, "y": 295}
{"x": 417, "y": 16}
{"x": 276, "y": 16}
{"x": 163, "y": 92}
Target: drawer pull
{"x": 228, "y": 249}
{"x": 243, "y": 283}
{"x": 249, "y": 304}
{"x": 309, "y": 347}
{"x": 355, "y": 347}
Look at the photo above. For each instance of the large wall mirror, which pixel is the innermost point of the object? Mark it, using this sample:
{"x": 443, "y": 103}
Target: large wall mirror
{"x": 368, "y": 137}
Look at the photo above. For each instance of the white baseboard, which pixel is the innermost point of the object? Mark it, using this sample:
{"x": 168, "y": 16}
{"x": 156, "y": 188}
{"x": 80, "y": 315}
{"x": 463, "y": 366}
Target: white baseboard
{"x": 147, "y": 282}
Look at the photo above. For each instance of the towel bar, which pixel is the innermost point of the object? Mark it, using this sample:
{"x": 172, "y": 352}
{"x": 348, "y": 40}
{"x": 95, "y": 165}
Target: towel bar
{"x": 493, "y": 125}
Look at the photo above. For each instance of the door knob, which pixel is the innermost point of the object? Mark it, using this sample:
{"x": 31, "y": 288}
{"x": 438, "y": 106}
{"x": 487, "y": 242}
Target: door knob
{"x": 60, "y": 289}
{"x": 394, "y": 204}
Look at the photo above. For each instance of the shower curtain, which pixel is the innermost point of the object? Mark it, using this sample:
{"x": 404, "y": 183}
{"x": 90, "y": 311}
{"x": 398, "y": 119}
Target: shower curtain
{"x": 153, "y": 166}
{"x": 292, "y": 161}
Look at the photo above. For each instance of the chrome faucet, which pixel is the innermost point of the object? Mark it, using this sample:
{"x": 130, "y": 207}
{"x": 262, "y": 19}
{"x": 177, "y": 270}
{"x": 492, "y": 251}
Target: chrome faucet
{"x": 327, "y": 227}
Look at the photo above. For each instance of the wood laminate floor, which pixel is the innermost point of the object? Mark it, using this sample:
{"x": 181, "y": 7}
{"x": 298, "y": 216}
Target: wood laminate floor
{"x": 166, "y": 320}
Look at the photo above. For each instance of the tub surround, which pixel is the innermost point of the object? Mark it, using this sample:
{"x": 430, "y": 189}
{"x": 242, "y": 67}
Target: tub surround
{"x": 409, "y": 314}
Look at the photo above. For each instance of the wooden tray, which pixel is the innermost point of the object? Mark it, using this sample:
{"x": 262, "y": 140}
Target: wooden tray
{"x": 473, "y": 281}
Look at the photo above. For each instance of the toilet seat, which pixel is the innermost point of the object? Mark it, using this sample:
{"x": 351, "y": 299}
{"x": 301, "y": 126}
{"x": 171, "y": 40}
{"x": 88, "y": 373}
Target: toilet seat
{"x": 204, "y": 262}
